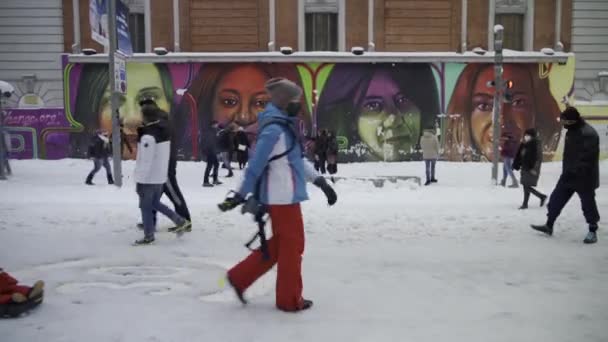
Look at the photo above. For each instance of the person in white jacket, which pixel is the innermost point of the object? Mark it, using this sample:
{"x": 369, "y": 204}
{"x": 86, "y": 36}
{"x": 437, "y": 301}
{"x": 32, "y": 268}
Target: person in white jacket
{"x": 151, "y": 167}
{"x": 430, "y": 153}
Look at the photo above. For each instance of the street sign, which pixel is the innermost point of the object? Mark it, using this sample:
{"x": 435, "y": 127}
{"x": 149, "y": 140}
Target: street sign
{"x": 120, "y": 73}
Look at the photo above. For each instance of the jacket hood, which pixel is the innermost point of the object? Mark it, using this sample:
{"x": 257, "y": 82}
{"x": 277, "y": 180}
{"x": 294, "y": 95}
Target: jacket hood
{"x": 271, "y": 112}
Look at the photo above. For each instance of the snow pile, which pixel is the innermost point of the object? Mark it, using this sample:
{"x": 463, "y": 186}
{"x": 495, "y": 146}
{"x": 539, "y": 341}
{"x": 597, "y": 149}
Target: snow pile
{"x": 455, "y": 261}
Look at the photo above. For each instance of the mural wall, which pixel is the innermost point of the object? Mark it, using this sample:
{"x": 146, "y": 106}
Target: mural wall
{"x": 378, "y": 111}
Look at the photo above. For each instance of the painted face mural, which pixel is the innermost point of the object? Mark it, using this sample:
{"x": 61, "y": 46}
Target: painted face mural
{"x": 92, "y": 108}
{"x": 378, "y": 109}
{"x": 144, "y": 81}
{"x": 234, "y": 94}
{"x": 469, "y": 135}
{"x": 240, "y": 96}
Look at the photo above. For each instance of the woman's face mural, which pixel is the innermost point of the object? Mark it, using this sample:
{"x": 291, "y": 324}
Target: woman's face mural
{"x": 389, "y": 122}
{"x": 240, "y": 96}
{"x": 516, "y": 116}
{"x": 143, "y": 81}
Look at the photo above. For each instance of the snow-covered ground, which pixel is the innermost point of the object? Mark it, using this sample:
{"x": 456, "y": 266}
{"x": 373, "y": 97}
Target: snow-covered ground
{"x": 455, "y": 261}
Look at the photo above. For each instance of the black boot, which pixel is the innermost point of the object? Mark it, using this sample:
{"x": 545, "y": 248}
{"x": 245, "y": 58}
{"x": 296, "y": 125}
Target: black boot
{"x": 89, "y": 180}
{"x": 428, "y": 182}
{"x": 545, "y": 228}
{"x": 110, "y": 179}
{"x": 523, "y": 206}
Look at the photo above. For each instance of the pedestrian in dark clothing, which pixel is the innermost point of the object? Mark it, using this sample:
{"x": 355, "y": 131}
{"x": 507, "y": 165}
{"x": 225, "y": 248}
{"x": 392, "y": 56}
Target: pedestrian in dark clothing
{"x": 529, "y": 159}
{"x": 210, "y": 149}
{"x": 242, "y": 147}
{"x": 226, "y": 146}
{"x": 321, "y": 151}
{"x": 580, "y": 173}
{"x": 508, "y": 152}
{"x": 100, "y": 151}
{"x": 332, "y": 154}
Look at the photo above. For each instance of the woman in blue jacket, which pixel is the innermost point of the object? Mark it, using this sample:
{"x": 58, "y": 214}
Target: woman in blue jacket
{"x": 277, "y": 175}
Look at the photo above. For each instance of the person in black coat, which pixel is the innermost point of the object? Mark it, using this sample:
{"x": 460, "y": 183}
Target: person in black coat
{"x": 226, "y": 147}
{"x": 529, "y": 159}
{"x": 332, "y": 154}
{"x": 241, "y": 143}
{"x": 210, "y": 149}
{"x": 100, "y": 151}
{"x": 321, "y": 151}
{"x": 580, "y": 173}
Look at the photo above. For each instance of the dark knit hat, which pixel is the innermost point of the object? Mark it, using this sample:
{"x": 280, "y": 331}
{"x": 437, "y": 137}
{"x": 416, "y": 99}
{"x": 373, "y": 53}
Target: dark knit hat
{"x": 571, "y": 114}
{"x": 147, "y": 101}
{"x": 150, "y": 112}
{"x": 531, "y": 132}
{"x": 282, "y": 91}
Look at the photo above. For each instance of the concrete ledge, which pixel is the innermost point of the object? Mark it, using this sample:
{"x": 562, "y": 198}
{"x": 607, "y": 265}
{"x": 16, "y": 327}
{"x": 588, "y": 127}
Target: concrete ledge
{"x": 379, "y": 181}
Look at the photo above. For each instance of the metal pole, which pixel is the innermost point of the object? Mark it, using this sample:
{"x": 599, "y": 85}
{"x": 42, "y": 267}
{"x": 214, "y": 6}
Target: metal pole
{"x": 76, "y": 20}
{"x": 176, "y": 47}
{"x": 529, "y": 26}
{"x": 116, "y": 147}
{"x": 463, "y": 26}
{"x": 301, "y": 26}
{"x": 558, "y": 23}
{"x": 341, "y": 25}
{"x": 148, "y": 25}
{"x": 491, "y": 21}
{"x": 498, "y": 88}
{"x": 3, "y": 160}
{"x": 272, "y": 22}
{"x": 371, "y": 46}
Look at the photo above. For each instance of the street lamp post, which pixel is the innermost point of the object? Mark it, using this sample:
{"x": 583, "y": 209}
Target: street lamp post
{"x": 116, "y": 146}
{"x": 498, "y": 88}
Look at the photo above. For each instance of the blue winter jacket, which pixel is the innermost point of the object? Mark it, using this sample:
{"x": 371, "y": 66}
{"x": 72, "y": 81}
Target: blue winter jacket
{"x": 284, "y": 182}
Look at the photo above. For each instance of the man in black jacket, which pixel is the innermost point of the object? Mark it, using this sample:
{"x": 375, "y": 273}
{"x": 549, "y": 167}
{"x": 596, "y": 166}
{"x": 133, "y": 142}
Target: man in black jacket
{"x": 580, "y": 173}
{"x": 100, "y": 150}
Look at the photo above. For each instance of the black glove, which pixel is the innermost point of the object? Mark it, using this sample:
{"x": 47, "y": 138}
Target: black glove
{"x": 329, "y": 192}
{"x": 233, "y": 200}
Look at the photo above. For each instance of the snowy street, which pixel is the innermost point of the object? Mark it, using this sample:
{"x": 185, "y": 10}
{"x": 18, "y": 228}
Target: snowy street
{"x": 454, "y": 261}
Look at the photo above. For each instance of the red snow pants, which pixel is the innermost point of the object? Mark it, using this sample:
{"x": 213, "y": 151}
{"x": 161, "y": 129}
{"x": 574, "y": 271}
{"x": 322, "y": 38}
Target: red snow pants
{"x": 285, "y": 248}
{"x": 8, "y": 286}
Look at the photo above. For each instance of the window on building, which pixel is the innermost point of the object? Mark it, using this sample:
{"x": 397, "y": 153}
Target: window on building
{"x": 321, "y": 32}
{"x": 137, "y": 32}
{"x": 514, "y": 30}
{"x": 321, "y": 25}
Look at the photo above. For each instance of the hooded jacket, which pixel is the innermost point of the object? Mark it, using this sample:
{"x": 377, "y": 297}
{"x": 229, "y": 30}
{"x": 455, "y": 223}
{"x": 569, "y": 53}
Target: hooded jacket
{"x": 153, "y": 152}
{"x": 430, "y": 145}
{"x": 284, "y": 181}
{"x": 580, "y": 165}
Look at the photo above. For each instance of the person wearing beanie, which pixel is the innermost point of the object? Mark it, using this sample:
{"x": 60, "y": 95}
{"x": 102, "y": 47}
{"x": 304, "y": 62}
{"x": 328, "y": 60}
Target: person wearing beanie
{"x": 529, "y": 159}
{"x": 171, "y": 188}
{"x": 210, "y": 149}
{"x": 151, "y": 169}
{"x": 507, "y": 152}
{"x": 276, "y": 176}
{"x": 580, "y": 174}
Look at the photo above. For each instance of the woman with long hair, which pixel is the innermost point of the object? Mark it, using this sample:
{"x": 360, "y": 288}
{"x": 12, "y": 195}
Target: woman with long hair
{"x": 469, "y": 129}
{"x": 379, "y": 109}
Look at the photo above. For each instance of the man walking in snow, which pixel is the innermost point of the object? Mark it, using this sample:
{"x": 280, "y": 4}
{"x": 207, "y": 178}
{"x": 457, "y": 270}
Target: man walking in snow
{"x": 100, "y": 151}
{"x": 171, "y": 188}
{"x": 580, "y": 174}
{"x": 277, "y": 175}
{"x": 430, "y": 153}
{"x": 151, "y": 169}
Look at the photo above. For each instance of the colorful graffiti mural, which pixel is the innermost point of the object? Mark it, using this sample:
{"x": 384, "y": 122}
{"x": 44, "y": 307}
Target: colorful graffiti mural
{"x": 37, "y": 133}
{"x": 378, "y": 110}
